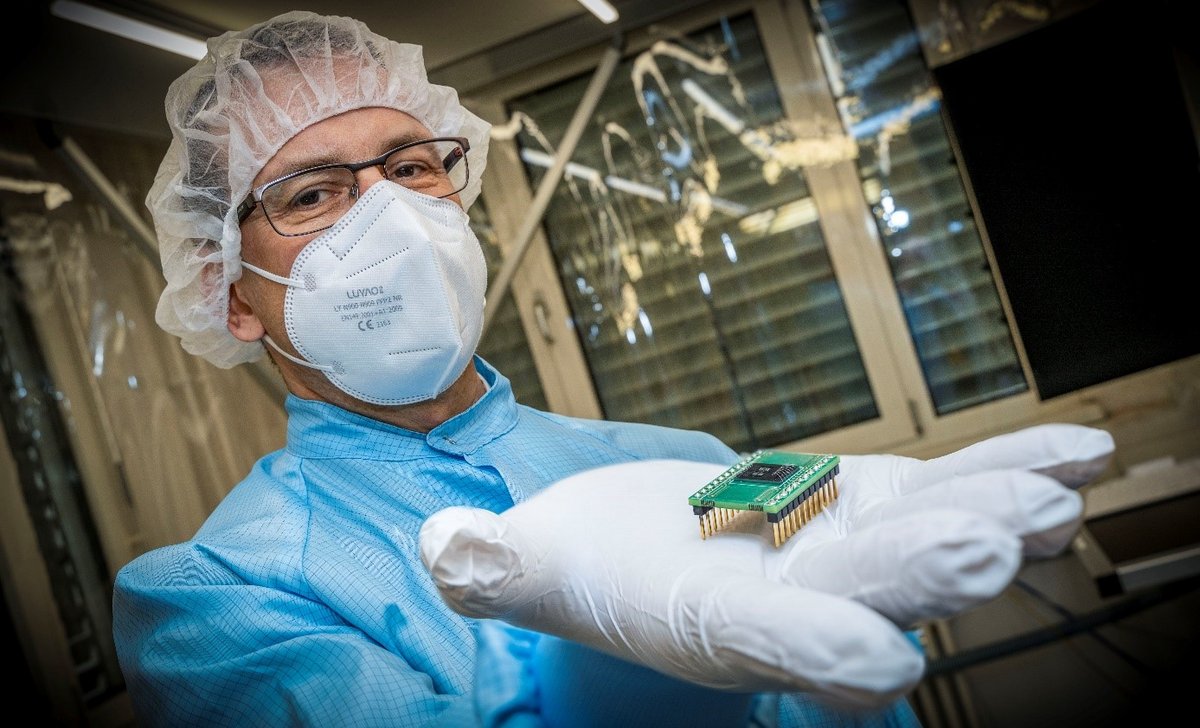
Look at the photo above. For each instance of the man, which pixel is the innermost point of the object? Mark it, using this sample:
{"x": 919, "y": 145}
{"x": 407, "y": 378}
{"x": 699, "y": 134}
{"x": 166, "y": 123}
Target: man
{"x": 312, "y": 204}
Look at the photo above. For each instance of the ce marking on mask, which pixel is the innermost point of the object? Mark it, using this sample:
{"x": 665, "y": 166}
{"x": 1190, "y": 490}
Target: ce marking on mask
{"x": 369, "y": 308}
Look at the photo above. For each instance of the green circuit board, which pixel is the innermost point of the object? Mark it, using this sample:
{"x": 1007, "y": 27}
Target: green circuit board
{"x": 789, "y": 488}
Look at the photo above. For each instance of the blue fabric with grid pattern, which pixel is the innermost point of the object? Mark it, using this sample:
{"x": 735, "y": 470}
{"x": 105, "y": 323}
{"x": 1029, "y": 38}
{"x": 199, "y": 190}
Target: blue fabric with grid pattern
{"x": 302, "y": 599}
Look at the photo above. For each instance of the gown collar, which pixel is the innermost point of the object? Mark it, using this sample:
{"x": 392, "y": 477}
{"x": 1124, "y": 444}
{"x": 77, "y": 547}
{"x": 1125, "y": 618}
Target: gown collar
{"x": 319, "y": 429}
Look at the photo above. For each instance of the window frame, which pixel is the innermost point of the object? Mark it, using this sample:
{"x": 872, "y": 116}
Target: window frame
{"x": 908, "y": 421}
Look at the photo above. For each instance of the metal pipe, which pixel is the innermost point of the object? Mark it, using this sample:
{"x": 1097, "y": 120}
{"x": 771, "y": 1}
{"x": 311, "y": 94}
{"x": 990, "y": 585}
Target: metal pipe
{"x": 541, "y": 199}
{"x": 82, "y": 165}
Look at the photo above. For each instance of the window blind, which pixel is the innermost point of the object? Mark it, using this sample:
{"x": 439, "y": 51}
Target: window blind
{"x": 698, "y": 278}
{"x": 890, "y": 103}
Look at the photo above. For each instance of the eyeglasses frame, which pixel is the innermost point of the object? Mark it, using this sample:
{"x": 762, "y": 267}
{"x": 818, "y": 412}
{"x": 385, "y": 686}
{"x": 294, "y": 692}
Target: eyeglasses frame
{"x": 254, "y": 198}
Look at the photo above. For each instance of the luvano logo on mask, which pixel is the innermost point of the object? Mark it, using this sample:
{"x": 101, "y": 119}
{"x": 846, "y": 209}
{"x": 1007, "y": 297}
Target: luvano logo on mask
{"x": 361, "y": 292}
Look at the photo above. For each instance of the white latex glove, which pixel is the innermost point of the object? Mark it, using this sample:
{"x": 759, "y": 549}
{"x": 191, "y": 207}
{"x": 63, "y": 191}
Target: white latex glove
{"x": 612, "y": 558}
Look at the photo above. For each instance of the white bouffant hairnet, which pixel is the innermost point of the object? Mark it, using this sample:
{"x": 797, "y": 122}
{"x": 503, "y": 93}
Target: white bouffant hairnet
{"x": 227, "y": 120}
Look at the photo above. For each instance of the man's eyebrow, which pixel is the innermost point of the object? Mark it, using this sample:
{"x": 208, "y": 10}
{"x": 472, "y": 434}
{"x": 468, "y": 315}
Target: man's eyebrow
{"x": 401, "y": 139}
{"x": 329, "y": 158}
{"x": 310, "y": 162}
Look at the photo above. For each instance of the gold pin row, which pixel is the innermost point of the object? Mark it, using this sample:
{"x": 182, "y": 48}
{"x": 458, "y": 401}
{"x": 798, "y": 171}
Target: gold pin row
{"x": 716, "y": 519}
{"x": 785, "y": 527}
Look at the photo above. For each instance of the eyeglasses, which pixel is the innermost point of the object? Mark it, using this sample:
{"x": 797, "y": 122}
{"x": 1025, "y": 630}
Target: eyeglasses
{"x": 312, "y": 200}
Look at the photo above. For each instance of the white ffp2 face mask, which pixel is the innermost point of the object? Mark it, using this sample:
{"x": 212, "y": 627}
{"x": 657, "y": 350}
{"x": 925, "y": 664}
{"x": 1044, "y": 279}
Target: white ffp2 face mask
{"x": 388, "y": 302}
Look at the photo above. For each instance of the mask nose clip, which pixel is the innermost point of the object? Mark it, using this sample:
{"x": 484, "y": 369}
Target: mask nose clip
{"x": 356, "y": 188}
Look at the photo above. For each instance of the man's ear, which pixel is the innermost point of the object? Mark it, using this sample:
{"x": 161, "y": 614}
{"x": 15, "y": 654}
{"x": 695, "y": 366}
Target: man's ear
{"x": 243, "y": 323}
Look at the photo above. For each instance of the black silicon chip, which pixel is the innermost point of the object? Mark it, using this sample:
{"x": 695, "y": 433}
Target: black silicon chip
{"x": 767, "y": 472}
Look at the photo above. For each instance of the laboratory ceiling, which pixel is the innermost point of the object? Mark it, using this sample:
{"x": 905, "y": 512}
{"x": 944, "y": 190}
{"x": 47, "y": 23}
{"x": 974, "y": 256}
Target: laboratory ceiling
{"x": 57, "y": 70}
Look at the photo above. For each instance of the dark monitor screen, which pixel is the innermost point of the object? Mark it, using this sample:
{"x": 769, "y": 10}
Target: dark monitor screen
{"x": 1081, "y": 152}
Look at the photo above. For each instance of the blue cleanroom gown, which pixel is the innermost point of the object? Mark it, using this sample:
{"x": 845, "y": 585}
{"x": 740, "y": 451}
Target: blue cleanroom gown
{"x": 302, "y": 599}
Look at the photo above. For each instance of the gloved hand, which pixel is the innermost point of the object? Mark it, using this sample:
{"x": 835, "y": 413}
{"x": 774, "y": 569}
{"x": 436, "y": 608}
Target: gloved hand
{"x": 612, "y": 558}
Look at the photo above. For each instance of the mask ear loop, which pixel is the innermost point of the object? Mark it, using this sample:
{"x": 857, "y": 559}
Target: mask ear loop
{"x": 266, "y": 337}
{"x": 272, "y": 277}
{"x": 295, "y": 359}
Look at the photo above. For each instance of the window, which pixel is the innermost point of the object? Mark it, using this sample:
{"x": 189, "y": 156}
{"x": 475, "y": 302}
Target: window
{"x": 687, "y": 243}
{"x": 890, "y": 104}
{"x": 766, "y": 233}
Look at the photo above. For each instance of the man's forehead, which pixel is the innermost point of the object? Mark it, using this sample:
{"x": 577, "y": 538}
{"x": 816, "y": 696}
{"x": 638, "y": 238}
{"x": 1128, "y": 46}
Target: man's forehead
{"x": 350, "y": 136}
{"x": 299, "y": 87}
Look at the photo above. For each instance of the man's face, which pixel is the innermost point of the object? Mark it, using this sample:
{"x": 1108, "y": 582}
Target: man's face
{"x": 256, "y": 304}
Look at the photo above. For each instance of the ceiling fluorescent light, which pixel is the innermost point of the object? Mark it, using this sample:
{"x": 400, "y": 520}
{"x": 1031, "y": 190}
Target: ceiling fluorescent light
{"x": 152, "y": 35}
{"x": 601, "y": 9}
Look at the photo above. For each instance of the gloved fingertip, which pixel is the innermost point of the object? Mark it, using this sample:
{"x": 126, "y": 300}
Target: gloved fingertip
{"x": 1051, "y": 542}
{"x": 1089, "y": 442}
{"x": 1098, "y": 440}
{"x": 1070, "y": 438}
{"x": 1082, "y": 453}
{"x": 1052, "y": 517}
{"x": 1051, "y": 507}
{"x": 964, "y": 566}
{"x": 468, "y": 554}
{"x": 1076, "y": 473}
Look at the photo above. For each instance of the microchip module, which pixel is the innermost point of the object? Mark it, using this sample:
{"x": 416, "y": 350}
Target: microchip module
{"x": 790, "y": 488}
